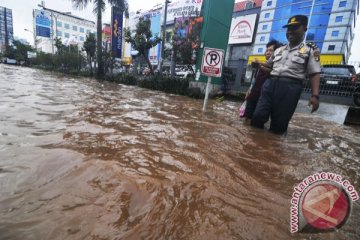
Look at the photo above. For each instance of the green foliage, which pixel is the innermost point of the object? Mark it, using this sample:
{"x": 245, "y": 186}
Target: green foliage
{"x": 18, "y": 51}
{"x": 69, "y": 59}
{"x": 156, "y": 82}
{"x": 123, "y": 78}
{"x": 165, "y": 84}
{"x": 142, "y": 39}
{"x": 90, "y": 47}
{"x": 99, "y": 7}
{"x": 58, "y": 44}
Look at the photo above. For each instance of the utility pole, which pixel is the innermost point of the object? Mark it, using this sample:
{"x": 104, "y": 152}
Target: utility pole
{"x": 161, "y": 62}
{"x": 34, "y": 35}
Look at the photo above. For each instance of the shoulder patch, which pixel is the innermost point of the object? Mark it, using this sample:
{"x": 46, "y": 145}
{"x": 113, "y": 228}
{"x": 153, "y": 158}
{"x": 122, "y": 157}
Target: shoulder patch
{"x": 312, "y": 45}
{"x": 316, "y": 50}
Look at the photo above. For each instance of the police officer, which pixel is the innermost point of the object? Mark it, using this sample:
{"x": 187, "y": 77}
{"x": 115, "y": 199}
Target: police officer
{"x": 290, "y": 64}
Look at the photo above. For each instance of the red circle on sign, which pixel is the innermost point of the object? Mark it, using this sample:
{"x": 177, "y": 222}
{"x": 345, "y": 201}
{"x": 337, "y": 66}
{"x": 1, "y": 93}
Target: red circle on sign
{"x": 218, "y": 59}
{"x": 325, "y": 206}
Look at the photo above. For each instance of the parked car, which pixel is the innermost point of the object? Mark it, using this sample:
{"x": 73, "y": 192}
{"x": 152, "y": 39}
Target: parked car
{"x": 10, "y": 61}
{"x": 338, "y": 77}
{"x": 184, "y": 72}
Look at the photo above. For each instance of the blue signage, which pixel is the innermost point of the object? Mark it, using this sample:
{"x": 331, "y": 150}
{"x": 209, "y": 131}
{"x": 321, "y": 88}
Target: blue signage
{"x": 43, "y": 23}
{"x": 42, "y": 31}
{"x": 116, "y": 32}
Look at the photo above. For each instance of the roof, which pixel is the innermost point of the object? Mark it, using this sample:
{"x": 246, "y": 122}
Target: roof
{"x": 68, "y": 14}
{"x": 241, "y": 4}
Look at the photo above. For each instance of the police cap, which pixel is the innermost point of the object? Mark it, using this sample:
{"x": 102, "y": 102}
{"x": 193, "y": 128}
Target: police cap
{"x": 297, "y": 20}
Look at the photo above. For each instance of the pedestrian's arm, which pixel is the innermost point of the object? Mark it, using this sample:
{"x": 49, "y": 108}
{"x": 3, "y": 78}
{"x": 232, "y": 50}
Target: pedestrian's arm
{"x": 314, "y": 99}
{"x": 265, "y": 68}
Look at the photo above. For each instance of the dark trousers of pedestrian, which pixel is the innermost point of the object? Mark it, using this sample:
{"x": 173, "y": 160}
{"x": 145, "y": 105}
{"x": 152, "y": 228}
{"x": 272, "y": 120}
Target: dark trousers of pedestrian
{"x": 250, "y": 107}
{"x": 278, "y": 100}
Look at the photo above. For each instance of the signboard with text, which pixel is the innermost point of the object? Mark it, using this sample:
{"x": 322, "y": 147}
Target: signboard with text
{"x": 242, "y": 29}
{"x": 43, "y": 23}
{"x": 154, "y": 52}
{"x": 212, "y": 62}
{"x": 116, "y": 32}
{"x": 183, "y": 8}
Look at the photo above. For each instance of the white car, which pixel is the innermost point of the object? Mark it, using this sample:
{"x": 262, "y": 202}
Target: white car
{"x": 10, "y": 61}
{"x": 183, "y": 72}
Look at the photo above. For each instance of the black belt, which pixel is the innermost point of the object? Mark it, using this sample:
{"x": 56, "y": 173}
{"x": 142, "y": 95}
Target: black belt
{"x": 287, "y": 79}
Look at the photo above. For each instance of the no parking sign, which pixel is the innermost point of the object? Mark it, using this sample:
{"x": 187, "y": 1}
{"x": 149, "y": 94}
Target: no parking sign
{"x": 212, "y": 62}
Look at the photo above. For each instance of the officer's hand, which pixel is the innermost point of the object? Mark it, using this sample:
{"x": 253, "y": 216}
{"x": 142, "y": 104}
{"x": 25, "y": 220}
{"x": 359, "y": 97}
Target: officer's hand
{"x": 314, "y": 102}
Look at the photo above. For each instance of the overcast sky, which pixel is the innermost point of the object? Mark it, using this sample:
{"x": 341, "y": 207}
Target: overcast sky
{"x": 22, "y": 16}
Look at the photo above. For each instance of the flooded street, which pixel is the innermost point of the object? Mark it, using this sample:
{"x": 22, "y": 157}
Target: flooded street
{"x": 82, "y": 159}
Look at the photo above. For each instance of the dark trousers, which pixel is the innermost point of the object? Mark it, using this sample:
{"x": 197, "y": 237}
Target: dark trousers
{"x": 250, "y": 107}
{"x": 278, "y": 100}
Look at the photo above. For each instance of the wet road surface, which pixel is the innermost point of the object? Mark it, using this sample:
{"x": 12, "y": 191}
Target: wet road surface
{"x": 81, "y": 159}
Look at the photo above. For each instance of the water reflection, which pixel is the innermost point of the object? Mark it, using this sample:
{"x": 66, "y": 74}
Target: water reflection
{"x": 82, "y": 159}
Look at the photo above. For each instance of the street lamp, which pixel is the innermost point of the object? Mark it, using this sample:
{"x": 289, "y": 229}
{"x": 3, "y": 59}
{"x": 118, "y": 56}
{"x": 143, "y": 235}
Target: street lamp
{"x": 34, "y": 35}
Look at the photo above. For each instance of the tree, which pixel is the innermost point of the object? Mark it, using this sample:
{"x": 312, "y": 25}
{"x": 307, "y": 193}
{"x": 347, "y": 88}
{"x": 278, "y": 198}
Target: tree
{"x": 59, "y": 45}
{"x": 142, "y": 40}
{"x": 90, "y": 47}
{"x": 18, "y": 51}
{"x": 99, "y": 7}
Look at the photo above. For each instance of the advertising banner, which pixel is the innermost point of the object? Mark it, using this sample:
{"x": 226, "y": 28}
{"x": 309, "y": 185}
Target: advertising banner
{"x": 116, "y": 32}
{"x": 183, "y": 8}
{"x": 242, "y": 29}
{"x": 154, "y": 53}
{"x": 42, "y": 23}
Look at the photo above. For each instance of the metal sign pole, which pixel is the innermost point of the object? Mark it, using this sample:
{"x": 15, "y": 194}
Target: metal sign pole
{"x": 207, "y": 93}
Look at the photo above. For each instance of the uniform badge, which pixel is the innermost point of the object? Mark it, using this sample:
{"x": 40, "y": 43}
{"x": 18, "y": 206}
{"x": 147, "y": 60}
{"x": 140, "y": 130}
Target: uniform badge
{"x": 302, "y": 50}
{"x": 317, "y": 55}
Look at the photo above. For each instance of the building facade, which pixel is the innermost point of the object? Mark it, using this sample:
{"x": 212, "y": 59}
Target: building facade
{"x": 331, "y": 23}
{"x": 6, "y": 28}
{"x": 241, "y": 39}
{"x": 69, "y": 28}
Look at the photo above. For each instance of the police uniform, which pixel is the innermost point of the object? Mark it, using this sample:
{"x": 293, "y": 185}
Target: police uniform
{"x": 281, "y": 92}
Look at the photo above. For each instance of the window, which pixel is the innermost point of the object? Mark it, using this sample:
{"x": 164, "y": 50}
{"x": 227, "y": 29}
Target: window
{"x": 335, "y": 33}
{"x": 262, "y": 38}
{"x": 81, "y": 38}
{"x": 59, "y": 24}
{"x": 264, "y": 27}
{"x": 269, "y": 3}
{"x": 67, "y": 26}
{"x": 67, "y": 35}
{"x": 331, "y": 47}
{"x": 249, "y": 5}
{"x": 81, "y": 30}
{"x": 74, "y": 28}
{"x": 267, "y": 15}
{"x": 342, "y": 4}
{"x": 260, "y": 50}
{"x": 87, "y": 31}
{"x": 58, "y": 33}
{"x": 338, "y": 18}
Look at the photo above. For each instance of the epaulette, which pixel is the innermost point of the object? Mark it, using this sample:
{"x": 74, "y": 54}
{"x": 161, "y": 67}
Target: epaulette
{"x": 312, "y": 45}
{"x": 316, "y": 50}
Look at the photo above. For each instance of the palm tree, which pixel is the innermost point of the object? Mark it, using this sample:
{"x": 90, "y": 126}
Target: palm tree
{"x": 99, "y": 8}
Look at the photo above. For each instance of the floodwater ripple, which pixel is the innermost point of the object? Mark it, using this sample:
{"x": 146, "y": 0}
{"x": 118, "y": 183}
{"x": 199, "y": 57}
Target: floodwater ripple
{"x": 83, "y": 159}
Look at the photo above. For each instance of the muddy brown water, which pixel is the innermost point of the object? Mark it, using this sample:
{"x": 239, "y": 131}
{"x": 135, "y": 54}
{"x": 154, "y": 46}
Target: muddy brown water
{"x": 82, "y": 159}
